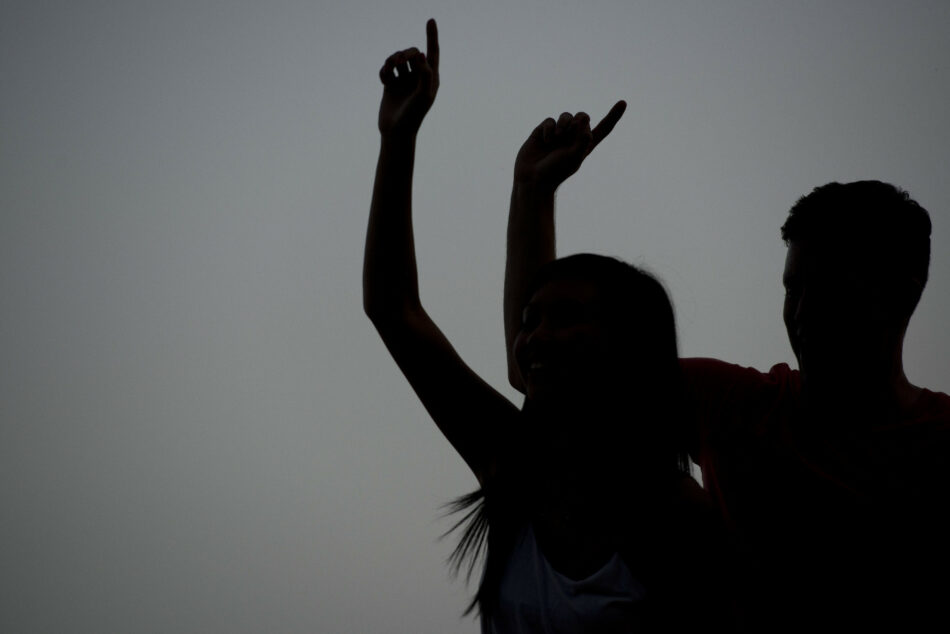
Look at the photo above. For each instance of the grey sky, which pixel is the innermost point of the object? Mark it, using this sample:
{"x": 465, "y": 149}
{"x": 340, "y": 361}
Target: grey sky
{"x": 199, "y": 430}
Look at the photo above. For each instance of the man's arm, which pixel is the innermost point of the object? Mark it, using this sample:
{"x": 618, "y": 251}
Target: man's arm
{"x": 553, "y": 152}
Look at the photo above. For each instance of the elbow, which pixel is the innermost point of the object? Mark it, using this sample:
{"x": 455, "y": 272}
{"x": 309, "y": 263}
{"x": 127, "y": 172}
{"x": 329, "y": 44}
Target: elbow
{"x": 376, "y": 301}
{"x": 377, "y": 311}
{"x": 386, "y": 313}
{"x": 370, "y": 307}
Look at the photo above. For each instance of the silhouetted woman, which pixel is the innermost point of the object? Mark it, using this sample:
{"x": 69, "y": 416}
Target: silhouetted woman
{"x": 589, "y": 517}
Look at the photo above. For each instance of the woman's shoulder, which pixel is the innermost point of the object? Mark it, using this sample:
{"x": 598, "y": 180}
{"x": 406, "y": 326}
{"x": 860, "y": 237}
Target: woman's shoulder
{"x": 698, "y": 564}
{"x": 690, "y": 510}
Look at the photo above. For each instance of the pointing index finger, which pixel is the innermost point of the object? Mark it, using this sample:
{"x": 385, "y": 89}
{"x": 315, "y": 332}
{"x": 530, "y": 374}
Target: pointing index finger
{"x": 608, "y": 122}
{"x": 432, "y": 44}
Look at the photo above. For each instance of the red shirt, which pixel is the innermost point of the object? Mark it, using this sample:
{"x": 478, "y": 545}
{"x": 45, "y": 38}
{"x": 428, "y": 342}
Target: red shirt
{"x": 845, "y": 528}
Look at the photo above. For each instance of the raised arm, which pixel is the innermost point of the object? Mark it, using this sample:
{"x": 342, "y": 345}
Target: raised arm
{"x": 467, "y": 410}
{"x": 553, "y": 152}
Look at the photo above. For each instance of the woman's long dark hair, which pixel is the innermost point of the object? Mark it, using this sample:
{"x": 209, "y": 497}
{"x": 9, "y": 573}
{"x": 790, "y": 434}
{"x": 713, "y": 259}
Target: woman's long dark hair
{"x": 650, "y": 446}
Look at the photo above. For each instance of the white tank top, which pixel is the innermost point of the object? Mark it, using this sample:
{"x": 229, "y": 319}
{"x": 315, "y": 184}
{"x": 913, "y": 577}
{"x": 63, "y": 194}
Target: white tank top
{"x": 534, "y": 598}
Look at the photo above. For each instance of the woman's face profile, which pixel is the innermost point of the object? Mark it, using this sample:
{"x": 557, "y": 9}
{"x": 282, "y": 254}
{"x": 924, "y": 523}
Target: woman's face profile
{"x": 563, "y": 344}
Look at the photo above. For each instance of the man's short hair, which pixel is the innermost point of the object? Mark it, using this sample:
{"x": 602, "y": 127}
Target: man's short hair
{"x": 866, "y": 213}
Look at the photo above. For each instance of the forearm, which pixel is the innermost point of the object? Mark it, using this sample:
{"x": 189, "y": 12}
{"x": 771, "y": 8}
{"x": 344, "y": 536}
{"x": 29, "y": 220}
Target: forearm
{"x": 530, "y": 245}
{"x": 553, "y": 151}
{"x": 390, "y": 282}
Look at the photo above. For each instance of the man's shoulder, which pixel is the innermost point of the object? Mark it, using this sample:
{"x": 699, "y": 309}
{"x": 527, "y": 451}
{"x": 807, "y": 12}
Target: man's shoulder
{"x": 937, "y": 401}
{"x": 705, "y": 373}
{"x": 730, "y": 402}
{"x": 932, "y": 407}
{"x": 917, "y": 446}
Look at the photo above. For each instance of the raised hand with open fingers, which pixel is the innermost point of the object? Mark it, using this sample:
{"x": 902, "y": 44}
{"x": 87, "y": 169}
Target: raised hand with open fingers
{"x": 410, "y": 82}
{"x": 556, "y": 149}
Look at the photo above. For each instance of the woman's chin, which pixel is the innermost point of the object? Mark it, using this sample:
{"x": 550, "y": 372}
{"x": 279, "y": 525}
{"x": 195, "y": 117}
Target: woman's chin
{"x": 560, "y": 393}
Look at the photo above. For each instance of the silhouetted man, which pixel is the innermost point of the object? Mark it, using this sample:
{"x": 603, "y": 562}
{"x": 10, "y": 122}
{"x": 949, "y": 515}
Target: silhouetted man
{"x": 833, "y": 476}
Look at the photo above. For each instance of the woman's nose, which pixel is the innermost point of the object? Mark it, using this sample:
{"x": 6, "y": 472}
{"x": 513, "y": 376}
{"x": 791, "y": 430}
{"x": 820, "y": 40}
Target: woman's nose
{"x": 539, "y": 334}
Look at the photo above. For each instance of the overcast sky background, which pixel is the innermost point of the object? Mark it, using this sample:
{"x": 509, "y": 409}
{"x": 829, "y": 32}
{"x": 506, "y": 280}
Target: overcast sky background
{"x": 199, "y": 429}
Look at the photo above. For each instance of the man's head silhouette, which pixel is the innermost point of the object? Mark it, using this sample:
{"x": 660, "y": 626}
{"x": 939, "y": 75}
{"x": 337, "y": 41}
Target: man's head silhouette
{"x": 857, "y": 262}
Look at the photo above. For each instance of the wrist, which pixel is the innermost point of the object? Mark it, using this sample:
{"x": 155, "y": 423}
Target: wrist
{"x": 396, "y": 137}
{"x": 532, "y": 200}
{"x": 531, "y": 190}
